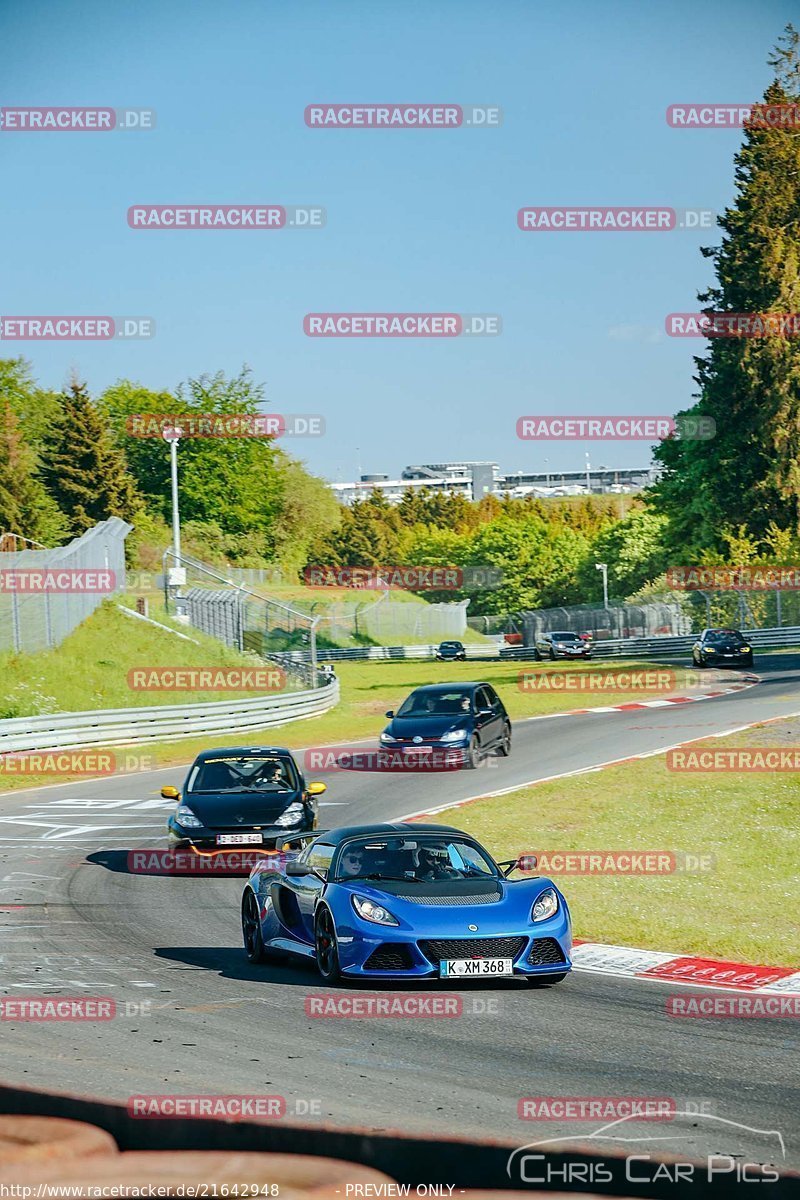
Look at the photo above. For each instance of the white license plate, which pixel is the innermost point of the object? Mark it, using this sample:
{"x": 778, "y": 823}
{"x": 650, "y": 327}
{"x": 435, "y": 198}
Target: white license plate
{"x": 466, "y": 968}
{"x": 411, "y": 749}
{"x": 239, "y": 839}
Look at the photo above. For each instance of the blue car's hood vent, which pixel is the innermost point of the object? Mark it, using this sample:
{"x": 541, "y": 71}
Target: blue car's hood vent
{"x": 454, "y": 893}
{"x": 454, "y": 900}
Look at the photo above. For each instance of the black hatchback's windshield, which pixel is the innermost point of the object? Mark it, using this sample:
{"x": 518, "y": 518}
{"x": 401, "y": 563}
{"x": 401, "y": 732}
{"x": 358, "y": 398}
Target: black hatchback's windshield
{"x": 725, "y": 635}
{"x": 433, "y": 704}
{"x": 252, "y": 773}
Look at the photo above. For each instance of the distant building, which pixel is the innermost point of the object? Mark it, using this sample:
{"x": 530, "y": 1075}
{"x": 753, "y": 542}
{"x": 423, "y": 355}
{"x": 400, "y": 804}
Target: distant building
{"x": 474, "y": 480}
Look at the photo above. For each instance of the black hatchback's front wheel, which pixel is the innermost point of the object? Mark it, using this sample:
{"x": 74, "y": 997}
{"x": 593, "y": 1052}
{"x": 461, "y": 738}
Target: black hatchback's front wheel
{"x": 251, "y": 929}
{"x": 326, "y": 947}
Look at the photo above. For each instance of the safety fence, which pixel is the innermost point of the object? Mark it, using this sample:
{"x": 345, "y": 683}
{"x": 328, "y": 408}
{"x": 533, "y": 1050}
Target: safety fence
{"x": 634, "y": 647}
{"x": 45, "y": 594}
{"x": 162, "y": 723}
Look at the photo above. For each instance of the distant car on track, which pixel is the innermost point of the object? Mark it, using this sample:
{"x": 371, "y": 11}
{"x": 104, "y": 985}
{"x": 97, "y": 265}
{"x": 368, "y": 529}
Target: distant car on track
{"x": 249, "y": 796}
{"x": 451, "y": 652}
{"x": 562, "y": 645}
{"x": 722, "y": 648}
{"x": 407, "y": 901}
{"x": 466, "y": 720}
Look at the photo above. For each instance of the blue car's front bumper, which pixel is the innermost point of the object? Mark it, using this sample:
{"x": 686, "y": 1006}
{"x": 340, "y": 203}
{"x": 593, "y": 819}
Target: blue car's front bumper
{"x": 374, "y": 951}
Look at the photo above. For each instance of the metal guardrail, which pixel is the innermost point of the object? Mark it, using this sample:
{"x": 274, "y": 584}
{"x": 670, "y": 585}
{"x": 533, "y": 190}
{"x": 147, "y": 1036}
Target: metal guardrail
{"x": 635, "y": 647}
{"x": 123, "y": 726}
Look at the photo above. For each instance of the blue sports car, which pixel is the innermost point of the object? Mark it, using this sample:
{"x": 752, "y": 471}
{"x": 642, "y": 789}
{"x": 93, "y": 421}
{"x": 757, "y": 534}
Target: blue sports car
{"x": 406, "y": 901}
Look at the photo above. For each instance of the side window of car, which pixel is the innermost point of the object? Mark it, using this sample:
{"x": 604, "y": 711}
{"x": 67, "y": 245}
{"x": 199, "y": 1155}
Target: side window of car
{"x": 319, "y": 859}
{"x": 494, "y": 699}
{"x": 482, "y": 699}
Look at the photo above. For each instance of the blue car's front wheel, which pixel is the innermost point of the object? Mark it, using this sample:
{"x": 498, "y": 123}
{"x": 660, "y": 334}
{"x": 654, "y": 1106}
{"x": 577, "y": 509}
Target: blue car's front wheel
{"x": 325, "y": 945}
{"x": 251, "y": 929}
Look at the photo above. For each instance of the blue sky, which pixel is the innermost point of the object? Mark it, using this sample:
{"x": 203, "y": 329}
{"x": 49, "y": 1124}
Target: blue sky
{"x": 417, "y": 221}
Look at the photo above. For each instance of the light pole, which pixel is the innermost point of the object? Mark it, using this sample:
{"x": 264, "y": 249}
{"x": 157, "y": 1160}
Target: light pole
{"x": 172, "y": 435}
{"x": 604, "y": 568}
{"x": 588, "y": 475}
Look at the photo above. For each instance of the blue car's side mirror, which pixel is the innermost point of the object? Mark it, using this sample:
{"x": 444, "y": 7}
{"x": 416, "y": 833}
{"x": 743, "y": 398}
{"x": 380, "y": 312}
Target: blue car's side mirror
{"x": 390, "y": 713}
{"x": 298, "y": 868}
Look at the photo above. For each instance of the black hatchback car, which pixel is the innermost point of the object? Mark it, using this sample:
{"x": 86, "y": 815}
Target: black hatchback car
{"x": 561, "y": 645}
{"x": 465, "y": 720}
{"x": 451, "y": 652}
{"x": 722, "y": 648}
{"x": 252, "y": 796}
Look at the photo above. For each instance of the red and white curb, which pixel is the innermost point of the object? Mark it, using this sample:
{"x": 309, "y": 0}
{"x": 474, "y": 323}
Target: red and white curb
{"x": 683, "y": 969}
{"x": 657, "y": 965}
{"x": 662, "y": 703}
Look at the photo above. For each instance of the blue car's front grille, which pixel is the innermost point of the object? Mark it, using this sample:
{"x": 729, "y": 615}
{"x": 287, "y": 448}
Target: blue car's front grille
{"x": 545, "y": 951}
{"x": 488, "y": 947}
{"x": 389, "y": 957}
{"x": 490, "y": 897}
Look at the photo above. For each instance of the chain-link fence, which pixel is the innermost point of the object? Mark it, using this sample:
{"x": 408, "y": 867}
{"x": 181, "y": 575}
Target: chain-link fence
{"x": 45, "y": 594}
{"x": 233, "y": 614}
{"x": 673, "y": 614}
{"x": 615, "y": 621}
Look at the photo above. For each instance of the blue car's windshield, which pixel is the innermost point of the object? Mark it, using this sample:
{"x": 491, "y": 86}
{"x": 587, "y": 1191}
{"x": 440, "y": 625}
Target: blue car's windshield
{"x": 421, "y": 859}
{"x": 433, "y": 704}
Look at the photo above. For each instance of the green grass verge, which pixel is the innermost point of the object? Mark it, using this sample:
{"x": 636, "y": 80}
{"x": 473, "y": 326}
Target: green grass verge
{"x": 90, "y": 667}
{"x": 89, "y": 670}
{"x": 745, "y": 907}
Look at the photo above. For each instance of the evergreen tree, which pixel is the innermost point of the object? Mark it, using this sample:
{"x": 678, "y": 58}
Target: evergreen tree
{"x": 25, "y": 506}
{"x": 748, "y": 474}
{"x": 85, "y": 472}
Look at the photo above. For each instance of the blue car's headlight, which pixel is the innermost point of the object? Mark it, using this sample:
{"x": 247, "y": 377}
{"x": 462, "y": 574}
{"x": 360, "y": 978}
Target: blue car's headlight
{"x": 371, "y": 911}
{"x": 454, "y": 735}
{"x": 387, "y": 737}
{"x": 186, "y": 818}
{"x": 292, "y": 816}
{"x": 545, "y": 905}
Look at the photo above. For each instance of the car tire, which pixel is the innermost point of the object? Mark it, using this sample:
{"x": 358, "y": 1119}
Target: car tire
{"x": 473, "y": 757}
{"x": 536, "y": 655}
{"x": 552, "y": 655}
{"x": 698, "y": 662}
{"x": 251, "y": 929}
{"x": 538, "y": 981}
{"x": 504, "y": 748}
{"x": 326, "y": 948}
{"x": 748, "y": 662}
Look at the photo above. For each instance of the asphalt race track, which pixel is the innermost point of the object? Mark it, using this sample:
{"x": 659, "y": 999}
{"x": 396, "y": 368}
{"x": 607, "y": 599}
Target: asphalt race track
{"x": 76, "y": 923}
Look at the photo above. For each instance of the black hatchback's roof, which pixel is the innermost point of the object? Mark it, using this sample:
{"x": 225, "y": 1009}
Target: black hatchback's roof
{"x": 334, "y": 837}
{"x": 243, "y": 752}
{"x": 449, "y": 687}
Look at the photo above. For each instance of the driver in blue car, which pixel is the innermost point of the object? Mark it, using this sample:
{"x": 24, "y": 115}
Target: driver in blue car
{"x": 433, "y": 864}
